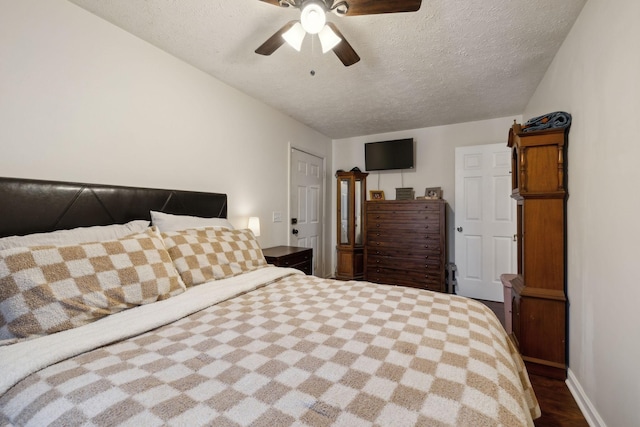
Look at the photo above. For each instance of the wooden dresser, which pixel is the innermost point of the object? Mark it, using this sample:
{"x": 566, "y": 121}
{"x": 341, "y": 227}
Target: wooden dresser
{"x": 538, "y": 299}
{"x": 405, "y": 243}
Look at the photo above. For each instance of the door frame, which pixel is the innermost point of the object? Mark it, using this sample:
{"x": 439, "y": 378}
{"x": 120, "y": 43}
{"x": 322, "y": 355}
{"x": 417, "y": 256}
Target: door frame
{"x": 323, "y": 207}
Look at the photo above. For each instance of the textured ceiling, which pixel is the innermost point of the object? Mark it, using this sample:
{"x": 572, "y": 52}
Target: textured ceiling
{"x": 452, "y": 61}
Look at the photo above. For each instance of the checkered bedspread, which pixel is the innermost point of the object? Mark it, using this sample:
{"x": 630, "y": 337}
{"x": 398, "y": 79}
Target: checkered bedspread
{"x": 300, "y": 351}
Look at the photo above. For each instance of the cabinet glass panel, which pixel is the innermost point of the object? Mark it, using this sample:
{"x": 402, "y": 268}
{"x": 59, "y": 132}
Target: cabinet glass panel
{"x": 358, "y": 212}
{"x": 344, "y": 211}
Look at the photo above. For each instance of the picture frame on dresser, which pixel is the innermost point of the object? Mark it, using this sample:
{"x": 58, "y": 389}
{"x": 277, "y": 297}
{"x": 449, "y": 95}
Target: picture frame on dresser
{"x": 376, "y": 195}
{"x": 433, "y": 193}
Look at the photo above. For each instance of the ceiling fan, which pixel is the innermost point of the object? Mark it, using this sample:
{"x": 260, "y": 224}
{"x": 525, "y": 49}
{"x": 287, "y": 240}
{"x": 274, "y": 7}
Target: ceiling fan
{"x": 313, "y": 20}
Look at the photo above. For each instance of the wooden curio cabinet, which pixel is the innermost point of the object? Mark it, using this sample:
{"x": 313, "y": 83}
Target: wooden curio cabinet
{"x": 538, "y": 291}
{"x": 351, "y": 191}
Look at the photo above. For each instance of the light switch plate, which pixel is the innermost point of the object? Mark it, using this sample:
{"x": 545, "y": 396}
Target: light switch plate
{"x": 277, "y": 216}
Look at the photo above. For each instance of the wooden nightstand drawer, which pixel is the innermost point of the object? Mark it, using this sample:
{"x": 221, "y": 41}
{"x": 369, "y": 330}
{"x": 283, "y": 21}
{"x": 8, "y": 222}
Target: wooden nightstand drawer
{"x": 290, "y": 256}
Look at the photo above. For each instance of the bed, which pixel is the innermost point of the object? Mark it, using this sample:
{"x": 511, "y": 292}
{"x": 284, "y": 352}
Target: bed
{"x": 204, "y": 332}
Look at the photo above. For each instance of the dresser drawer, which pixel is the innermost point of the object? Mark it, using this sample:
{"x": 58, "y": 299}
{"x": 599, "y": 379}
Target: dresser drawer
{"x": 397, "y": 217}
{"x": 404, "y": 206}
{"x": 424, "y": 264}
{"x": 296, "y": 259}
{"x": 425, "y": 280}
{"x": 401, "y": 239}
{"x": 418, "y": 252}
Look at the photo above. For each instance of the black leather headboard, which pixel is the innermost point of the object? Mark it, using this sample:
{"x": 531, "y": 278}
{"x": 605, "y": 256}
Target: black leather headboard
{"x": 32, "y": 206}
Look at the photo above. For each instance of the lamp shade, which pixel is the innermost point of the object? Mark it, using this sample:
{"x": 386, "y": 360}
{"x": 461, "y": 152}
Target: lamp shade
{"x": 328, "y": 39}
{"x": 294, "y": 36}
{"x": 254, "y": 225}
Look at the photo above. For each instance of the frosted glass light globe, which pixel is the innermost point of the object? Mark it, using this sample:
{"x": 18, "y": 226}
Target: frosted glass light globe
{"x": 313, "y": 18}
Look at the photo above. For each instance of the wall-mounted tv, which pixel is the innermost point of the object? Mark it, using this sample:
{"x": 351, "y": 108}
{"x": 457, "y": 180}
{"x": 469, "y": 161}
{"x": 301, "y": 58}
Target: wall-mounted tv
{"x": 386, "y": 155}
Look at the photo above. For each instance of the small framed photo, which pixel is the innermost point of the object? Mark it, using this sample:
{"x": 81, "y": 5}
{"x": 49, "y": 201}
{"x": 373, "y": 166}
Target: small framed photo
{"x": 376, "y": 194}
{"x": 433, "y": 193}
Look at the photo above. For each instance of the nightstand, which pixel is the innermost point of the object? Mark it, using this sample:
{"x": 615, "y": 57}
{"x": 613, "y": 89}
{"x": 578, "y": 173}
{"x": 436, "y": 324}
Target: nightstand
{"x": 290, "y": 256}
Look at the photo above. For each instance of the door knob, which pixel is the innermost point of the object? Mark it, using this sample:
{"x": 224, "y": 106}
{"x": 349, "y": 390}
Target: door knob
{"x": 294, "y": 231}
{"x": 459, "y": 229}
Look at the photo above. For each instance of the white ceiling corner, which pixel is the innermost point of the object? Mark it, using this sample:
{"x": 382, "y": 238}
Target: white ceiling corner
{"x": 450, "y": 62}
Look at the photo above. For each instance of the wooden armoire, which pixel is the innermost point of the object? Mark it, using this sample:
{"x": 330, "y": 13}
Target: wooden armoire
{"x": 538, "y": 291}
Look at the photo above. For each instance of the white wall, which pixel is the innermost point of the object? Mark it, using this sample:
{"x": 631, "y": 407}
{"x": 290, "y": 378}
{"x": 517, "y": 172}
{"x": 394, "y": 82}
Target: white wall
{"x": 596, "y": 78}
{"x": 435, "y": 160}
{"x": 82, "y": 100}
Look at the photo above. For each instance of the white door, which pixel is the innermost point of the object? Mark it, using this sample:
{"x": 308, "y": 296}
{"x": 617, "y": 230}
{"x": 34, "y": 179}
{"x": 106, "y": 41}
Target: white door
{"x": 485, "y": 220}
{"x": 307, "y": 207}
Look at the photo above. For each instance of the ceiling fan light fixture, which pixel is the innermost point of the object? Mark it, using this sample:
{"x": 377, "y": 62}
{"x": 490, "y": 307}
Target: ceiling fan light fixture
{"x": 313, "y": 17}
{"x": 294, "y": 36}
{"x": 328, "y": 39}
{"x": 340, "y": 7}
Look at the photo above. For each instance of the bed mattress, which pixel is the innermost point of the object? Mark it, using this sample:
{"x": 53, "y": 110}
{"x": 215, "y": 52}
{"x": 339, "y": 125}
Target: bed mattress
{"x": 273, "y": 347}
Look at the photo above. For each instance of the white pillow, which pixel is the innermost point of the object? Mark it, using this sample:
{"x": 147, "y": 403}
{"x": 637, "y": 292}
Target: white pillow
{"x": 75, "y": 236}
{"x": 168, "y": 222}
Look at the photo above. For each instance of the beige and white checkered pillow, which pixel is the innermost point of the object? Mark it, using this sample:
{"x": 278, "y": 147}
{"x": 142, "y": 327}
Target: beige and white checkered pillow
{"x": 207, "y": 254}
{"x": 47, "y": 289}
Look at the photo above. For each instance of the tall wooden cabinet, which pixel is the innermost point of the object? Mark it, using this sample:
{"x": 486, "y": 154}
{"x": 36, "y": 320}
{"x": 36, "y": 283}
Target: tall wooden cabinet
{"x": 405, "y": 243}
{"x": 352, "y": 189}
{"x": 538, "y": 291}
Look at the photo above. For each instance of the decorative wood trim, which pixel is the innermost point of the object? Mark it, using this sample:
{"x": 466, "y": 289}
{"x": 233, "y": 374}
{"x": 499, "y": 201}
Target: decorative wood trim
{"x": 560, "y": 168}
{"x": 523, "y": 170}
{"x": 542, "y": 293}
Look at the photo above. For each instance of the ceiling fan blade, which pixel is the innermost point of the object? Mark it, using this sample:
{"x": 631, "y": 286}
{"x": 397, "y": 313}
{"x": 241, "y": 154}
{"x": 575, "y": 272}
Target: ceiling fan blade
{"x": 275, "y": 41}
{"x": 343, "y": 50}
{"x": 373, "y": 7}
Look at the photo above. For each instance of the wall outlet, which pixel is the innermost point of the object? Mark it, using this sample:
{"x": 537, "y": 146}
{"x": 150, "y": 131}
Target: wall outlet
{"x": 277, "y": 216}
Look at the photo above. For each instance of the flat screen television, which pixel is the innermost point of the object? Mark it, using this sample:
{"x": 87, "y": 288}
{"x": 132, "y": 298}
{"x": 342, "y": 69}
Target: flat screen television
{"x": 387, "y": 155}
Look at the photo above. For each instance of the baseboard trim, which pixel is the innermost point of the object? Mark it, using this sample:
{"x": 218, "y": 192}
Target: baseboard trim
{"x": 588, "y": 410}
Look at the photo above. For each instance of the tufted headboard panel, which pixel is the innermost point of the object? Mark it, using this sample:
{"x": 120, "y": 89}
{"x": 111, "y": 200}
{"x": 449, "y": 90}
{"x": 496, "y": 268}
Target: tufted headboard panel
{"x": 33, "y": 206}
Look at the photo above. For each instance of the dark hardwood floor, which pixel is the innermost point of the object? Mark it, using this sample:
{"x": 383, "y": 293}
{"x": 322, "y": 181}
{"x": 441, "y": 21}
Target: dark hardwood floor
{"x": 556, "y": 402}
